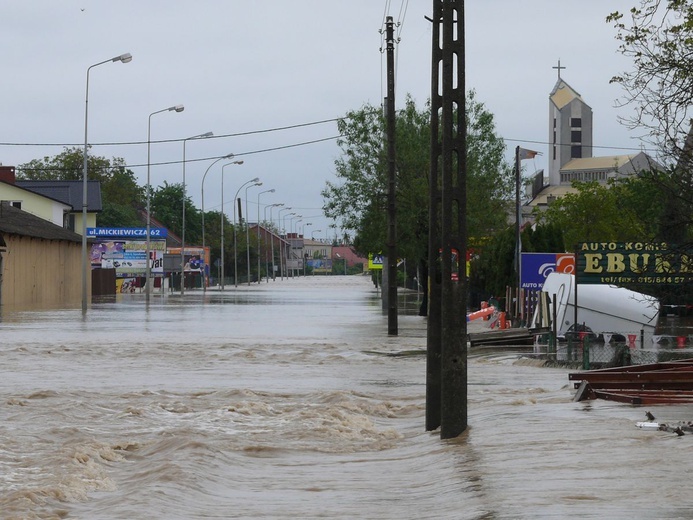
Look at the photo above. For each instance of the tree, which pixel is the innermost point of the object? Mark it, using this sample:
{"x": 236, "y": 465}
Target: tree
{"x": 659, "y": 39}
{"x": 597, "y": 212}
{"x": 359, "y": 200}
{"x": 493, "y": 265}
{"x": 120, "y": 194}
{"x": 167, "y": 207}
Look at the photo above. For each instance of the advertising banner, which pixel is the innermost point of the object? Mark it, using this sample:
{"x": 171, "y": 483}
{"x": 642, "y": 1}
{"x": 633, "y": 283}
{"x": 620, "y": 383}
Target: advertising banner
{"x": 128, "y": 257}
{"x": 537, "y": 266}
{"x": 619, "y": 263}
{"x": 320, "y": 265}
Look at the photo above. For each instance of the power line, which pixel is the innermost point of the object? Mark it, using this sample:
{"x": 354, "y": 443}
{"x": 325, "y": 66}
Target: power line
{"x": 239, "y": 134}
{"x": 165, "y": 163}
{"x": 593, "y": 147}
{"x": 242, "y": 154}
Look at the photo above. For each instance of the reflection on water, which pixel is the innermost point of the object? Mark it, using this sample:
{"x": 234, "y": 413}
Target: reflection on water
{"x": 272, "y": 402}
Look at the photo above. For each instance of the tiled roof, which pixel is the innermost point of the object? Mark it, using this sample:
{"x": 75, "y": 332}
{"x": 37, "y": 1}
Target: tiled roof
{"x": 542, "y": 197}
{"x": 69, "y": 192}
{"x": 17, "y": 222}
{"x": 562, "y": 94}
{"x": 611, "y": 162}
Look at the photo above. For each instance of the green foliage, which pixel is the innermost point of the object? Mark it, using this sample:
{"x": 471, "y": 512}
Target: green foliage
{"x": 359, "y": 199}
{"x": 623, "y": 210}
{"x": 117, "y": 215}
{"x": 167, "y": 207}
{"x": 658, "y": 36}
{"x": 493, "y": 265}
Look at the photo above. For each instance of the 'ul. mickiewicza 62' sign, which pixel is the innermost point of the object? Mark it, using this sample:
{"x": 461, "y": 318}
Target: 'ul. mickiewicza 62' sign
{"x": 633, "y": 263}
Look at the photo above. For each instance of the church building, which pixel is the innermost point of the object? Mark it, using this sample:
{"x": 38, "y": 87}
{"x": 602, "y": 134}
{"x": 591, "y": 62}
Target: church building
{"x": 571, "y": 151}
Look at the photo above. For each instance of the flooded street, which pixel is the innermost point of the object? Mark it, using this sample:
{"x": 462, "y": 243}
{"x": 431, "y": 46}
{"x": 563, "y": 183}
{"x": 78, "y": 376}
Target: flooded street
{"x": 278, "y": 401}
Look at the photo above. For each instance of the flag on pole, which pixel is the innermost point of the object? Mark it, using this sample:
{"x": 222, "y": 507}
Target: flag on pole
{"x": 527, "y": 154}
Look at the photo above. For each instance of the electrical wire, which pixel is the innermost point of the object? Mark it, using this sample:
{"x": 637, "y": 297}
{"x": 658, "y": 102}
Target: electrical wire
{"x": 188, "y": 161}
{"x": 238, "y": 134}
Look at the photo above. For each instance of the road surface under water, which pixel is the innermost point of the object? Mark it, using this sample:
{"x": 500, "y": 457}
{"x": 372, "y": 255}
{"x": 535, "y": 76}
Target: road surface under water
{"x": 278, "y": 401}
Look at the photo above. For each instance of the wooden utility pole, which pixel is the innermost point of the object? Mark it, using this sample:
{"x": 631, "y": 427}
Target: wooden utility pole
{"x": 446, "y": 372}
{"x": 392, "y": 329}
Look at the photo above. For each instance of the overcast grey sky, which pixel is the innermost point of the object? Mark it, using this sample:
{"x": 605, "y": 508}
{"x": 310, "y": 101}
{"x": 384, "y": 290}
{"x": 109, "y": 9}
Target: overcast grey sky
{"x": 241, "y": 67}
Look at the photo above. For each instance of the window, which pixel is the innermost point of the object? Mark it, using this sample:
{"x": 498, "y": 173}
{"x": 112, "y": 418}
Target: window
{"x": 70, "y": 221}
{"x": 576, "y": 122}
{"x": 576, "y": 136}
{"x": 16, "y": 204}
{"x": 575, "y": 152}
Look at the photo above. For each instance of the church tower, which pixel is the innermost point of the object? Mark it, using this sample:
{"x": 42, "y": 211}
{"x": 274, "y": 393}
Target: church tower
{"x": 570, "y": 128}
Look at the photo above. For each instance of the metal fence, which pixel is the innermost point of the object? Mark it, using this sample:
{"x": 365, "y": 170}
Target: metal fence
{"x": 591, "y": 351}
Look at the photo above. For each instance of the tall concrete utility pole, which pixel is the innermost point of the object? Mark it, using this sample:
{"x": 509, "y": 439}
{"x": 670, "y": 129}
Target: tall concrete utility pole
{"x": 392, "y": 328}
{"x": 446, "y": 370}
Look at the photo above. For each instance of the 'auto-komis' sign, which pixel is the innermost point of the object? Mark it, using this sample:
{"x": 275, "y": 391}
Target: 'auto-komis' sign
{"x": 633, "y": 263}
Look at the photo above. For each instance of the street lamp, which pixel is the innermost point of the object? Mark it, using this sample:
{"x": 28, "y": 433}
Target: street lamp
{"x": 229, "y": 156}
{"x": 281, "y": 244}
{"x": 182, "y": 238}
{"x": 313, "y": 233}
{"x": 271, "y": 235}
{"x": 148, "y": 269}
{"x": 124, "y": 58}
{"x": 247, "y": 231}
{"x": 345, "y": 262}
{"x": 235, "y": 234}
{"x": 291, "y": 223}
{"x": 222, "y": 220}
{"x": 259, "y": 248}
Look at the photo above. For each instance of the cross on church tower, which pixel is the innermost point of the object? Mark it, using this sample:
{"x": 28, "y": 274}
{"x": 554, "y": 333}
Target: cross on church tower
{"x": 559, "y": 68}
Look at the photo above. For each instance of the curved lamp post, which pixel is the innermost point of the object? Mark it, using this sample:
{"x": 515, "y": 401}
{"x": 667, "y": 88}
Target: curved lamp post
{"x": 271, "y": 236}
{"x": 259, "y": 248}
{"x": 182, "y": 238}
{"x": 222, "y": 220}
{"x": 235, "y": 234}
{"x": 148, "y": 269}
{"x": 247, "y": 231}
{"x": 229, "y": 156}
{"x": 124, "y": 58}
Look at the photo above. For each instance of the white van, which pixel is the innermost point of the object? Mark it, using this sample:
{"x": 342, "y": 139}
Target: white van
{"x": 602, "y": 308}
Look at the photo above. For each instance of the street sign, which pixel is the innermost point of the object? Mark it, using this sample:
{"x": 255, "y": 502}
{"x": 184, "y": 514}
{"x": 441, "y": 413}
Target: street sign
{"x": 375, "y": 261}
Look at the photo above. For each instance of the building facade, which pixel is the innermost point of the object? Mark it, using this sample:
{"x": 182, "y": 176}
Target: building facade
{"x": 40, "y": 262}
{"x": 570, "y": 153}
{"x": 570, "y": 128}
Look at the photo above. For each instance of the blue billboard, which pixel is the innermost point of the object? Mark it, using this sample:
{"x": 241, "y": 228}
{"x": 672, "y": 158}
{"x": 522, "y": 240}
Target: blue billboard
{"x": 537, "y": 266}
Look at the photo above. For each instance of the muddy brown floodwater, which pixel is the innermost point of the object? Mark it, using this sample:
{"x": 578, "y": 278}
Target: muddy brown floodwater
{"x": 271, "y": 401}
